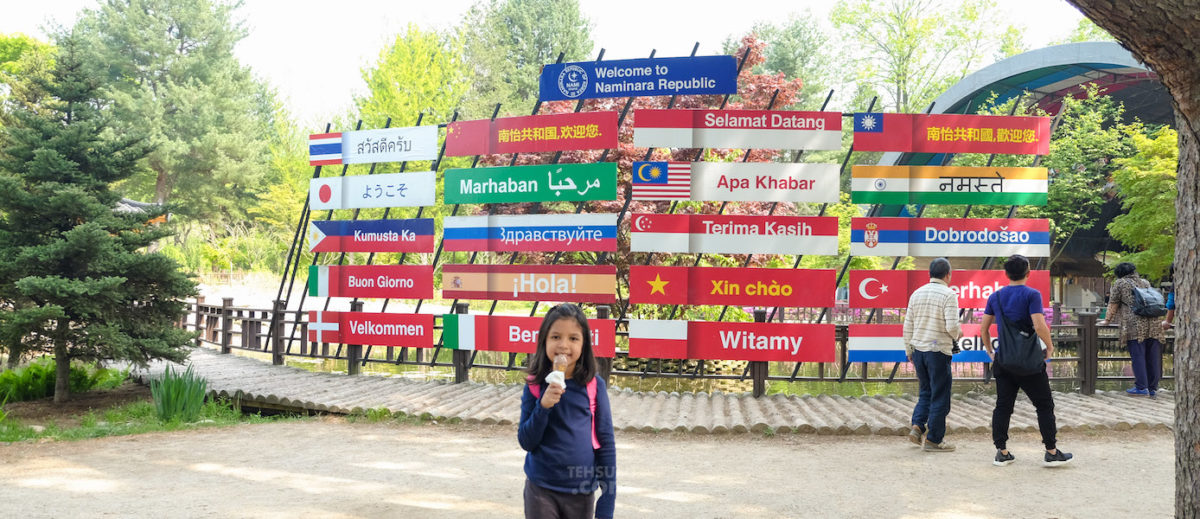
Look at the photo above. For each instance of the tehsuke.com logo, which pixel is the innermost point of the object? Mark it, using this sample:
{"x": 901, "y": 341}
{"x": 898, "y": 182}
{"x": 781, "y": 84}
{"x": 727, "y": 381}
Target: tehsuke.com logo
{"x": 572, "y": 81}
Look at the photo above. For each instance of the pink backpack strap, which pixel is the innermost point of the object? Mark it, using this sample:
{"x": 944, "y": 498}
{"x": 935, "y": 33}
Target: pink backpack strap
{"x": 591, "y": 389}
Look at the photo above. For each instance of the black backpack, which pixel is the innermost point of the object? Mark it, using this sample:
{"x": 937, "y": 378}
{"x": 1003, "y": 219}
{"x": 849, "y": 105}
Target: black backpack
{"x": 1148, "y": 302}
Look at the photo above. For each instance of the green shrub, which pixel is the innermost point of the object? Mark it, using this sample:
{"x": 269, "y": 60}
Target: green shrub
{"x": 36, "y": 379}
{"x": 178, "y": 396}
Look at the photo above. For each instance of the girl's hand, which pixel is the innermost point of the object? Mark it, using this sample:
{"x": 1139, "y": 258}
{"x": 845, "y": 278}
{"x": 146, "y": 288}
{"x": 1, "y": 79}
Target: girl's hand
{"x": 551, "y": 396}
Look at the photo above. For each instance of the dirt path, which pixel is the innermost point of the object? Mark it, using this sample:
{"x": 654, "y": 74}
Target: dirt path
{"x": 330, "y": 468}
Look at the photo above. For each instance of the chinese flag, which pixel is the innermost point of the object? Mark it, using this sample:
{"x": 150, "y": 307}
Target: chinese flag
{"x": 658, "y": 285}
{"x": 883, "y": 132}
{"x": 878, "y": 288}
{"x": 464, "y": 138}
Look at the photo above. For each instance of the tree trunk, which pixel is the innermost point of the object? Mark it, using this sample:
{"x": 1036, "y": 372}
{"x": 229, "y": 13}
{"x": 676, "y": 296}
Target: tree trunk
{"x": 162, "y": 189}
{"x": 62, "y": 363}
{"x": 1165, "y": 34}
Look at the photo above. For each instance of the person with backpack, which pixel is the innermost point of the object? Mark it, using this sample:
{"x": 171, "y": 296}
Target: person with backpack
{"x": 566, "y": 424}
{"x": 1137, "y": 307}
{"x": 1020, "y": 361}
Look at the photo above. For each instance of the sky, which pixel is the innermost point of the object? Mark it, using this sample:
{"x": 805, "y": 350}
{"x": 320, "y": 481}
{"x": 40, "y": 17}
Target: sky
{"x": 290, "y": 40}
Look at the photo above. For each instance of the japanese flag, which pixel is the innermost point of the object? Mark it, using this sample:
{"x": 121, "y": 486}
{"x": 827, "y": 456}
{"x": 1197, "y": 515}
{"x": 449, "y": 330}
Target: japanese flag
{"x": 325, "y": 193}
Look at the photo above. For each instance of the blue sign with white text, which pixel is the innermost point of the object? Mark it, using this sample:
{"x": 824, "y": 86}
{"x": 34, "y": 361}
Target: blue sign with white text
{"x": 701, "y": 75}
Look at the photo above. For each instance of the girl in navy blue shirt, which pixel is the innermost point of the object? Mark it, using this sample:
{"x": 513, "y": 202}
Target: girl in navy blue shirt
{"x": 566, "y": 424}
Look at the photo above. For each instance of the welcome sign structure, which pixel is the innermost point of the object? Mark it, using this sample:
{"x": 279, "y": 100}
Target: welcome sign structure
{"x": 703, "y": 75}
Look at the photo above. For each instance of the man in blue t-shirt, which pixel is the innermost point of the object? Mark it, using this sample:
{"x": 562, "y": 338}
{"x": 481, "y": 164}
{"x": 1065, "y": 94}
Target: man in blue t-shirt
{"x": 1020, "y": 306}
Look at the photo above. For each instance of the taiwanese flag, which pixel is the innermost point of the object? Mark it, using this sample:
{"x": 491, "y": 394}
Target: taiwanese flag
{"x": 883, "y": 132}
{"x": 879, "y": 288}
{"x": 324, "y": 326}
{"x": 465, "y": 138}
{"x": 658, "y": 285}
{"x": 651, "y": 339}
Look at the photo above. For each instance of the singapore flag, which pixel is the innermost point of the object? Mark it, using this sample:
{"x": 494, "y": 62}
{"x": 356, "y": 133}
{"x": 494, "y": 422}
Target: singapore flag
{"x": 879, "y": 288}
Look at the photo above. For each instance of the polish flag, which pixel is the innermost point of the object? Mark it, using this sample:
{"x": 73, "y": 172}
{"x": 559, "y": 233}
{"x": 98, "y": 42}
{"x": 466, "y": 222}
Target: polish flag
{"x": 323, "y": 326}
{"x": 878, "y": 288}
{"x": 654, "y": 339}
{"x": 876, "y": 343}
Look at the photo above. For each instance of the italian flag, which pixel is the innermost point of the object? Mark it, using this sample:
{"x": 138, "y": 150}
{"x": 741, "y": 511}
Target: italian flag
{"x": 318, "y": 282}
{"x": 464, "y": 331}
{"x": 948, "y": 185}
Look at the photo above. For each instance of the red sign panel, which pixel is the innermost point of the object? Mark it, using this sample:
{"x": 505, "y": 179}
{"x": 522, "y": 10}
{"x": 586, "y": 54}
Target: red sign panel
{"x": 520, "y": 335}
{"x": 575, "y": 283}
{"x": 732, "y": 286}
{"x": 533, "y": 134}
{"x": 782, "y": 342}
{"x": 385, "y": 329}
{"x": 381, "y": 281}
{"x": 891, "y": 288}
{"x": 952, "y": 133}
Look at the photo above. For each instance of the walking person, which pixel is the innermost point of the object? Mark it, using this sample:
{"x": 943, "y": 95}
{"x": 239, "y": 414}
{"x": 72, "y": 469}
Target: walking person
{"x": 931, "y": 328}
{"x": 1020, "y": 307}
{"x": 1142, "y": 335}
{"x": 566, "y": 424}
{"x": 1169, "y": 320}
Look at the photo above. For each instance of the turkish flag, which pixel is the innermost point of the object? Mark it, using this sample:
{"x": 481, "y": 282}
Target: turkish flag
{"x": 878, "y": 288}
{"x": 658, "y": 285}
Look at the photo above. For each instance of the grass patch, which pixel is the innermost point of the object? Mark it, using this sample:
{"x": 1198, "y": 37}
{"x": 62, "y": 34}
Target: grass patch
{"x": 134, "y": 418}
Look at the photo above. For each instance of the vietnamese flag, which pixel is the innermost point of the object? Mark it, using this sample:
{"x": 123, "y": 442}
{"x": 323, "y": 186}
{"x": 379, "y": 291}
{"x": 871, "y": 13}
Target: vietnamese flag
{"x": 883, "y": 132}
{"x": 879, "y": 288}
{"x": 465, "y": 138}
{"x": 652, "y": 339}
{"x": 658, "y": 285}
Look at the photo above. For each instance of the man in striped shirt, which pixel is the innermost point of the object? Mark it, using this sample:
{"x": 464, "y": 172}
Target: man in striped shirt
{"x": 931, "y": 328}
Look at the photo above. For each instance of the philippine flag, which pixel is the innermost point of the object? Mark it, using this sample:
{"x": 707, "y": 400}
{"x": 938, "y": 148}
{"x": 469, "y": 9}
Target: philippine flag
{"x": 654, "y": 339}
{"x": 883, "y": 132}
{"x": 324, "y": 149}
{"x": 324, "y": 326}
{"x": 662, "y": 180}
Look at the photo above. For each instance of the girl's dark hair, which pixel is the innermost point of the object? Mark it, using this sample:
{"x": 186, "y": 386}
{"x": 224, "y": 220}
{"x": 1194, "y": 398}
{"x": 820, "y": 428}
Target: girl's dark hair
{"x": 540, "y": 363}
{"x": 1124, "y": 269}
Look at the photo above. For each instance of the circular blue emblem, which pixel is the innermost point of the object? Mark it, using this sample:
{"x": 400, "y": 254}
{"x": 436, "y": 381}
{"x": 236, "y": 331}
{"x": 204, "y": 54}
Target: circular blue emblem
{"x": 880, "y": 184}
{"x": 572, "y": 81}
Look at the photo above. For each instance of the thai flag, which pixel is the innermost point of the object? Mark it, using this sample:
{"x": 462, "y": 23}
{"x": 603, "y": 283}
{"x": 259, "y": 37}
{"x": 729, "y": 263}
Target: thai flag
{"x": 324, "y": 149}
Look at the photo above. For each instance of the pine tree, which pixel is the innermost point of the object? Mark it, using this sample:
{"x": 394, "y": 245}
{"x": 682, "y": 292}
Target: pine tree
{"x": 75, "y": 279}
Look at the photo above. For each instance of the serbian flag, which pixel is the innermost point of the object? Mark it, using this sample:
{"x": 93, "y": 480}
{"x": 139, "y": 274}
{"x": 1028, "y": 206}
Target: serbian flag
{"x": 660, "y": 233}
{"x": 876, "y": 343}
{"x": 883, "y": 132}
{"x": 883, "y": 236}
{"x": 879, "y": 288}
{"x": 324, "y": 149}
{"x": 662, "y": 180}
{"x": 324, "y": 326}
{"x": 658, "y": 285}
{"x": 653, "y": 339}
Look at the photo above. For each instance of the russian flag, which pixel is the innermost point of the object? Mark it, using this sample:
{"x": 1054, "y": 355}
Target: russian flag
{"x": 876, "y": 343}
{"x": 324, "y": 149}
{"x": 883, "y": 132}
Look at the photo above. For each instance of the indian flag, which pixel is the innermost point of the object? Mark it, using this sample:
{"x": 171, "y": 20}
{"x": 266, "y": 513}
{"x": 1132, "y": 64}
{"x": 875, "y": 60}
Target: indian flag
{"x": 464, "y": 331}
{"x": 948, "y": 185}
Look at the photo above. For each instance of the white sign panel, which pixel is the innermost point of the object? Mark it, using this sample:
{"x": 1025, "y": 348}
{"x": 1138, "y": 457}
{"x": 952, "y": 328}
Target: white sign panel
{"x": 765, "y": 182}
{"x": 390, "y": 145}
{"x": 363, "y": 191}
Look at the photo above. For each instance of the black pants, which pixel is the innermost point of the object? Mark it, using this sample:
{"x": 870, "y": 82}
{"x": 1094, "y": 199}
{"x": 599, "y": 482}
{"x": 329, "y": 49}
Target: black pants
{"x": 541, "y": 503}
{"x": 1037, "y": 388}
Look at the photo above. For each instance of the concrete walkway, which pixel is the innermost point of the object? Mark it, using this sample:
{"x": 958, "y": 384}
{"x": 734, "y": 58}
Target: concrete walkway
{"x": 257, "y": 382}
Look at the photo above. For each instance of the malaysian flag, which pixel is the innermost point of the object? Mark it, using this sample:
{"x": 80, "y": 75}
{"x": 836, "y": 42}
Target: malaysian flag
{"x": 324, "y": 149}
{"x": 662, "y": 180}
